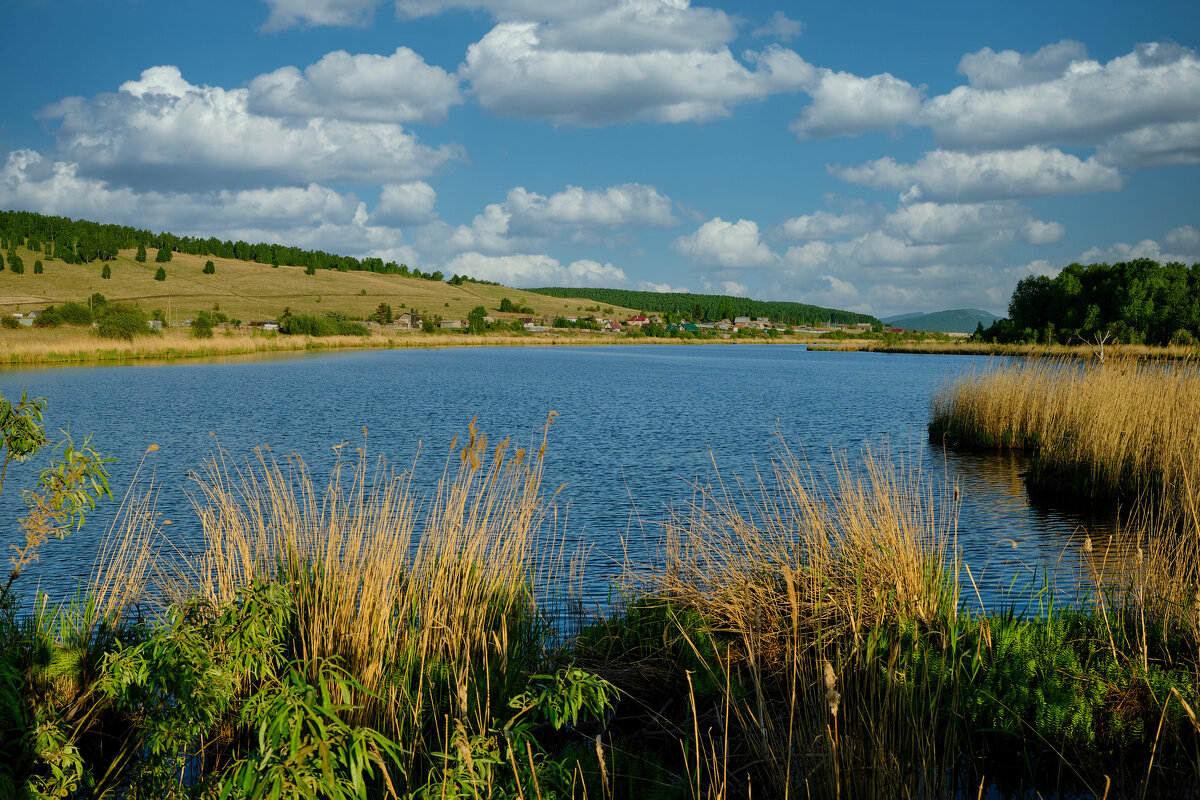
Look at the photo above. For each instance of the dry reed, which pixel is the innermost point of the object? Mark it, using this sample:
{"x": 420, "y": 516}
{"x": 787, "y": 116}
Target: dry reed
{"x": 417, "y": 602}
{"x": 798, "y": 577}
{"x": 1121, "y": 428}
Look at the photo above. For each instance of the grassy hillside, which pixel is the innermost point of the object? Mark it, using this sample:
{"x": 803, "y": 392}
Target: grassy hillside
{"x": 961, "y": 320}
{"x": 250, "y": 291}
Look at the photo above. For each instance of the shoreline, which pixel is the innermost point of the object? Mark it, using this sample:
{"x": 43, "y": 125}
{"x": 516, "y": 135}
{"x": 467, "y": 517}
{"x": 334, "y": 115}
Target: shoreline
{"x": 59, "y": 347}
{"x": 67, "y": 347}
{"x": 1081, "y": 351}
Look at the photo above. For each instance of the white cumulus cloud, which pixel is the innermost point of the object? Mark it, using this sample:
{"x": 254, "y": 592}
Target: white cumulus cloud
{"x": 944, "y": 175}
{"x": 1088, "y": 103}
{"x": 1171, "y": 144}
{"x": 726, "y": 244}
{"x": 844, "y": 104}
{"x": 1184, "y": 239}
{"x": 528, "y": 219}
{"x": 950, "y": 223}
{"x": 525, "y": 269}
{"x": 641, "y": 26}
{"x": 780, "y": 27}
{"x": 825, "y": 224}
{"x": 1178, "y": 244}
{"x": 309, "y": 13}
{"x": 404, "y": 204}
{"x": 1037, "y": 231}
{"x": 504, "y": 9}
{"x": 987, "y": 69}
{"x": 396, "y": 88}
{"x": 626, "y": 205}
{"x": 164, "y": 133}
{"x": 514, "y": 72}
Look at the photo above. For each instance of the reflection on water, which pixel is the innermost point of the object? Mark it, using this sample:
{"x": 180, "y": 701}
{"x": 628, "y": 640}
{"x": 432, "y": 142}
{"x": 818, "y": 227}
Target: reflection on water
{"x": 636, "y": 427}
{"x": 1022, "y": 553}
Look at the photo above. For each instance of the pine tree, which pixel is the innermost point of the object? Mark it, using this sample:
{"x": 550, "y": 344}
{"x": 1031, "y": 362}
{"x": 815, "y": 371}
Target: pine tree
{"x": 141, "y": 253}
{"x": 209, "y": 268}
{"x": 37, "y": 268}
{"x": 106, "y": 272}
{"x": 164, "y": 255}
{"x": 160, "y": 274}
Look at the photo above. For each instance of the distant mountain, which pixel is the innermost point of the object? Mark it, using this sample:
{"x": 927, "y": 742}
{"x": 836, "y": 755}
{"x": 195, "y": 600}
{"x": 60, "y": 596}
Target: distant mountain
{"x": 961, "y": 320}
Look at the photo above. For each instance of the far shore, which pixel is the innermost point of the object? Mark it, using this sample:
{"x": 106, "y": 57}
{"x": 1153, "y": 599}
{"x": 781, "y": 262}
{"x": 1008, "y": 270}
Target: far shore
{"x": 67, "y": 346}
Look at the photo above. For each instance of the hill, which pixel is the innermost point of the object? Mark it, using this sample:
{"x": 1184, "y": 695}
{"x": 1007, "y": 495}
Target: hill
{"x": 712, "y": 306}
{"x": 75, "y": 254}
{"x": 248, "y": 291}
{"x": 961, "y": 320}
{"x": 258, "y": 281}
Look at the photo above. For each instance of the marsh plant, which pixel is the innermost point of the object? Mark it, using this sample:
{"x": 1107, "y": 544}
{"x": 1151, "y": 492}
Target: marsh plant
{"x": 1112, "y": 429}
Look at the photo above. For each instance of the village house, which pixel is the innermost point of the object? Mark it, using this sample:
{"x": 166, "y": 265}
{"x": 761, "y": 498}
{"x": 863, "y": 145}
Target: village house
{"x": 409, "y": 321}
{"x": 636, "y": 321}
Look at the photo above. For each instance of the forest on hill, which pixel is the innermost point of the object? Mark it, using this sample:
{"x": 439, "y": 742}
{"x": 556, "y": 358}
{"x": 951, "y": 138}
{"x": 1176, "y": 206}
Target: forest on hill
{"x": 712, "y": 306}
{"x": 1131, "y": 302}
{"x": 81, "y": 242}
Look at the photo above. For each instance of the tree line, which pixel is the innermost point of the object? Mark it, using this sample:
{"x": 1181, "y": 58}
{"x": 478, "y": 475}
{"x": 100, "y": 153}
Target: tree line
{"x": 1132, "y": 302}
{"x": 81, "y": 242}
{"x": 713, "y": 306}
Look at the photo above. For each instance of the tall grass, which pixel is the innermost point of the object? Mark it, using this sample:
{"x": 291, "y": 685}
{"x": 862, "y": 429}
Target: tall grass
{"x": 1118, "y": 429}
{"x": 419, "y": 604}
{"x": 786, "y": 598}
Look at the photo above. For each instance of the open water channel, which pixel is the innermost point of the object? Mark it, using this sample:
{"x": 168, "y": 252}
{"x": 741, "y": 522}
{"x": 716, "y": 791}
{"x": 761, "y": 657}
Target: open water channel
{"x": 636, "y": 427}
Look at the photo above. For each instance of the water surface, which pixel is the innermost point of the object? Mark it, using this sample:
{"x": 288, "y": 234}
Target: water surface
{"x": 636, "y": 427}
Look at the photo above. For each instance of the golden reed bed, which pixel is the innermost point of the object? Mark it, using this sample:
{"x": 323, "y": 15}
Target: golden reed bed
{"x": 1123, "y": 428}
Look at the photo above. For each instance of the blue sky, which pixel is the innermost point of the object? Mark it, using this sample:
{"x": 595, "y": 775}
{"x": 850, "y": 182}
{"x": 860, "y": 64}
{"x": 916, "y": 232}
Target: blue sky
{"x": 877, "y": 157}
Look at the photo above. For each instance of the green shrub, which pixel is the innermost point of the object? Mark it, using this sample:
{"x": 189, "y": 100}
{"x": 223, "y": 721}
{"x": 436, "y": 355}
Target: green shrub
{"x": 119, "y": 321}
{"x": 73, "y": 313}
{"x": 307, "y": 325}
{"x": 9, "y": 321}
{"x": 209, "y": 268}
{"x": 106, "y": 272}
{"x": 202, "y": 326}
{"x": 51, "y": 317}
{"x": 160, "y": 274}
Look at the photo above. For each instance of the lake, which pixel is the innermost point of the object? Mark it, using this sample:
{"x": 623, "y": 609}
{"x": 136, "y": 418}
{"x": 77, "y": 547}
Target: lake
{"x": 636, "y": 426}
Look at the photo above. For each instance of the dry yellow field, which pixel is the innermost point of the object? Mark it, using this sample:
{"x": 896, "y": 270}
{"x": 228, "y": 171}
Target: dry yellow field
{"x": 248, "y": 291}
